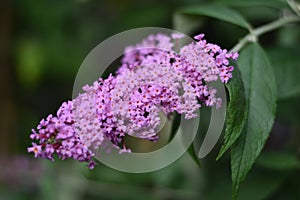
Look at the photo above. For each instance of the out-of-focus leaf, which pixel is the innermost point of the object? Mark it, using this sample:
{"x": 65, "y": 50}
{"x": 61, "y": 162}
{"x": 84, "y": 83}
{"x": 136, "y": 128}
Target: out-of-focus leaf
{"x": 280, "y": 4}
{"x": 286, "y": 66}
{"x": 236, "y": 111}
{"x": 192, "y": 153}
{"x": 257, "y": 10}
{"x": 279, "y": 161}
{"x": 30, "y": 60}
{"x": 289, "y": 36}
{"x": 186, "y": 23}
{"x": 261, "y": 14}
{"x": 218, "y": 12}
{"x": 290, "y": 190}
{"x": 261, "y": 184}
{"x": 260, "y": 90}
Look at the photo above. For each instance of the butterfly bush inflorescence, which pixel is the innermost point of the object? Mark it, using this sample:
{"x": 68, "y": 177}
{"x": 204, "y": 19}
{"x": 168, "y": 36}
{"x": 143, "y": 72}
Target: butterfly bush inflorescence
{"x": 152, "y": 78}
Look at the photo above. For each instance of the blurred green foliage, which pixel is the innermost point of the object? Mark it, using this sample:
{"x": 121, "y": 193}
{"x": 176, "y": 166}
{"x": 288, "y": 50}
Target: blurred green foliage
{"x": 50, "y": 39}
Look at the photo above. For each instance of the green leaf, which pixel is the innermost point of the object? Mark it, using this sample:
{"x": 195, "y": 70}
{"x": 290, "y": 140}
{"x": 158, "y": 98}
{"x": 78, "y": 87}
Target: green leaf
{"x": 218, "y": 12}
{"x": 279, "y": 4}
{"x": 256, "y": 10}
{"x": 260, "y": 90}
{"x": 286, "y": 65}
{"x": 236, "y": 111}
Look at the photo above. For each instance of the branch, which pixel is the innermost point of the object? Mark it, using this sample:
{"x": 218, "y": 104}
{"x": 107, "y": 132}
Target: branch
{"x": 254, "y": 34}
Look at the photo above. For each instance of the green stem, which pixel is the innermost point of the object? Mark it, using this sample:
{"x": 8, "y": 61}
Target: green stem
{"x": 254, "y": 34}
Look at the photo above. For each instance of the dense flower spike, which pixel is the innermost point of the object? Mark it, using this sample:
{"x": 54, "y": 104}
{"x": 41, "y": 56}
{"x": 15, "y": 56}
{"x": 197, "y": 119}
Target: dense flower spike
{"x": 152, "y": 79}
{"x": 58, "y": 135}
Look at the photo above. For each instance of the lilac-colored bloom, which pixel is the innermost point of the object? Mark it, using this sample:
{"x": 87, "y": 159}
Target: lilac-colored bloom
{"x": 199, "y": 37}
{"x": 36, "y": 149}
{"x": 152, "y": 79}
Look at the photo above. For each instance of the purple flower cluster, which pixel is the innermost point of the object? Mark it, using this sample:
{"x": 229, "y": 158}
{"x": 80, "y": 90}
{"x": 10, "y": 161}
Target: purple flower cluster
{"x": 152, "y": 79}
{"x": 57, "y": 134}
